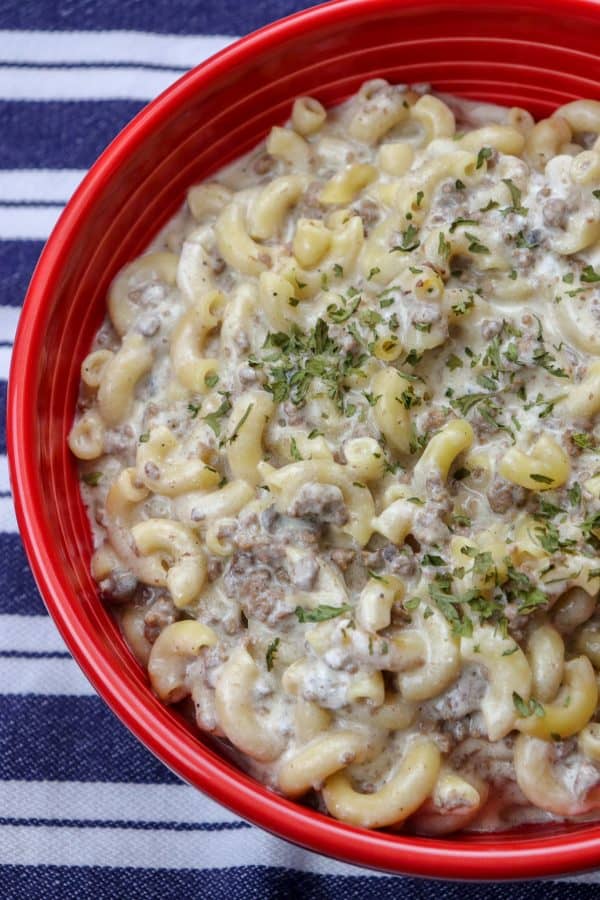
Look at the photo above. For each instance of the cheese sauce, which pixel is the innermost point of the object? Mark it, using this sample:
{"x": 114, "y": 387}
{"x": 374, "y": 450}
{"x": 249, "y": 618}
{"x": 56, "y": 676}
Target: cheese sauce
{"x": 342, "y": 415}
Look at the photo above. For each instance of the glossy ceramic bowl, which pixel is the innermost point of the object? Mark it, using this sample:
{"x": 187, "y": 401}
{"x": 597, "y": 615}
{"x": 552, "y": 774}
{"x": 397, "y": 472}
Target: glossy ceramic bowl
{"x": 532, "y": 53}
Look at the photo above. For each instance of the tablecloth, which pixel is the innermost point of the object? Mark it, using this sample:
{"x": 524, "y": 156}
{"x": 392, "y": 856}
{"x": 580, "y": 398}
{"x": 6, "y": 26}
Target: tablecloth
{"x": 85, "y": 810}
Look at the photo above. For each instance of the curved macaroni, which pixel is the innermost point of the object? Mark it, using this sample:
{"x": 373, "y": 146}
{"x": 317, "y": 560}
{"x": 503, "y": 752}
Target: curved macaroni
{"x": 171, "y": 653}
{"x": 157, "y": 538}
{"x": 546, "y": 466}
{"x": 319, "y": 759}
{"x": 235, "y": 709}
{"x": 337, "y": 440}
{"x": 120, "y": 377}
{"x": 396, "y": 800}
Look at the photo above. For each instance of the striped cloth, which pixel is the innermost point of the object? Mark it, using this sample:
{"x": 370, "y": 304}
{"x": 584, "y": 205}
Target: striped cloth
{"x": 85, "y": 810}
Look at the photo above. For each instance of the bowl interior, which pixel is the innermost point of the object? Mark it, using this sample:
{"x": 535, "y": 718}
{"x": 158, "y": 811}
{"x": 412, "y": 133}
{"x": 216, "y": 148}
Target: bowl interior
{"x": 532, "y": 54}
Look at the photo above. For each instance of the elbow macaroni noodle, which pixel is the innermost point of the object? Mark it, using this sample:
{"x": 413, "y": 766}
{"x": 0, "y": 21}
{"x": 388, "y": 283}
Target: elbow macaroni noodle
{"x": 338, "y": 437}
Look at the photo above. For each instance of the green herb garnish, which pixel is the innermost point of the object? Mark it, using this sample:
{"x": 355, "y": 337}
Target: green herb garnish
{"x": 542, "y": 479}
{"x": 213, "y": 420}
{"x": 589, "y": 275}
{"x": 409, "y": 241}
{"x": 272, "y": 653}
{"x": 431, "y": 559}
{"x": 515, "y": 195}
{"x": 321, "y": 613}
{"x": 475, "y": 245}
{"x": 92, "y": 478}
{"x": 525, "y": 243}
{"x": 458, "y": 222}
{"x": 483, "y": 154}
{"x": 444, "y": 246}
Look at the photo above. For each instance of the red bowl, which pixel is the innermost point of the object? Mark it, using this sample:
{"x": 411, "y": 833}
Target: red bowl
{"x": 532, "y": 53}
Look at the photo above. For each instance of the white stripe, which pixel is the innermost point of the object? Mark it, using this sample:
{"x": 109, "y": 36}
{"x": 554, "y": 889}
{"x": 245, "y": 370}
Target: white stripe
{"x": 5, "y": 355}
{"x": 108, "y": 47}
{"x": 8, "y": 520}
{"x": 35, "y": 846}
{"x": 589, "y": 878}
{"x": 46, "y": 677}
{"x": 38, "y": 185}
{"x": 173, "y": 850}
{"x": 128, "y": 83}
{"x": 114, "y": 847}
{"x": 30, "y": 634}
{"x": 27, "y": 222}
{"x": 111, "y": 802}
{"x": 9, "y": 317}
{"x": 4, "y": 479}
{"x": 144, "y": 803}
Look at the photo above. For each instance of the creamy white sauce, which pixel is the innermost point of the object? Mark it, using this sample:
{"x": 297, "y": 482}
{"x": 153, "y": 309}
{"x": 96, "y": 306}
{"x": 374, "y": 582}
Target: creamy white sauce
{"x": 494, "y": 332}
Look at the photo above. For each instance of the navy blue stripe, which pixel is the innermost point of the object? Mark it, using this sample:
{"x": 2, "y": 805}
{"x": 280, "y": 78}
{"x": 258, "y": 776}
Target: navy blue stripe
{"x": 71, "y": 739}
{"x": 153, "y": 67}
{"x": 60, "y": 135}
{"x": 50, "y": 204}
{"x": 34, "y": 654}
{"x": 126, "y": 824}
{"x": 256, "y": 883}
{"x": 17, "y": 262}
{"x": 179, "y": 17}
{"x": 3, "y": 395}
{"x": 19, "y": 594}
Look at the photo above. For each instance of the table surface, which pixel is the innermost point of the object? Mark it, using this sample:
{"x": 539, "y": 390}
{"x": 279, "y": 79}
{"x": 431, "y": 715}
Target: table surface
{"x": 86, "y": 810}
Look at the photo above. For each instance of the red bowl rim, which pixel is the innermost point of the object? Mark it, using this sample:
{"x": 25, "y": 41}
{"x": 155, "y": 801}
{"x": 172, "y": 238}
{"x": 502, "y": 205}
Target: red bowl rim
{"x": 498, "y": 858}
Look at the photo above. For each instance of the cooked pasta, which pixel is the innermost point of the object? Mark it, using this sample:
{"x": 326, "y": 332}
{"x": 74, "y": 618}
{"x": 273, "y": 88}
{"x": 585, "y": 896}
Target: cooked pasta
{"x": 338, "y": 441}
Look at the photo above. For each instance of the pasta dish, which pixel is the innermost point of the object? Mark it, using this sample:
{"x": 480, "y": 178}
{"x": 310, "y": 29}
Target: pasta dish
{"x": 338, "y": 445}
